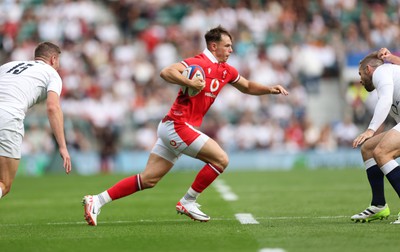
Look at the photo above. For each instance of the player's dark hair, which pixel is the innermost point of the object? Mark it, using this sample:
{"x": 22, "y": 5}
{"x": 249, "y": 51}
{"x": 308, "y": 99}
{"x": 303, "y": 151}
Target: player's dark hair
{"x": 46, "y": 50}
{"x": 215, "y": 34}
{"x": 371, "y": 60}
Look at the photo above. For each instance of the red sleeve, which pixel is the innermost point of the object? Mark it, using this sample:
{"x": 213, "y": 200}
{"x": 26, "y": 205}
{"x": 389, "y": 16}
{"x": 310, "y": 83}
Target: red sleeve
{"x": 234, "y": 75}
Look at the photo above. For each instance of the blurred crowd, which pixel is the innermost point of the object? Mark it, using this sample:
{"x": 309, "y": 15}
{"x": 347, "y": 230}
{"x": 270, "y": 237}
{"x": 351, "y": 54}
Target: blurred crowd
{"x": 113, "y": 51}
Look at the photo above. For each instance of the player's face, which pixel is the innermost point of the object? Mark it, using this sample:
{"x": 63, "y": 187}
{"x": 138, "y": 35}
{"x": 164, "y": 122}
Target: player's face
{"x": 366, "y": 79}
{"x": 223, "y": 48}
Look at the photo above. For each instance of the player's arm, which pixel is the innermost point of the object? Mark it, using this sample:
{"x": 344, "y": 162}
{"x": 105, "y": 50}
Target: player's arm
{"x": 173, "y": 74}
{"x": 254, "y": 88}
{"x": 381, "y": 111}
{"x": 386, "y": 55}
{"x": 56, "y": 120}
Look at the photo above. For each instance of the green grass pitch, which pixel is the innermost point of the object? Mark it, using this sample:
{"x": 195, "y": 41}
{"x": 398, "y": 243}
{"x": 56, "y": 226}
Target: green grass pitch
{"x": 300, "y": 210}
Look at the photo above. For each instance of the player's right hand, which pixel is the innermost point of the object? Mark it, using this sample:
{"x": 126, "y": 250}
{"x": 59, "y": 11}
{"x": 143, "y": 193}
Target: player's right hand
{"x": 384, "y": 54}
{"x": 198, "y": 84}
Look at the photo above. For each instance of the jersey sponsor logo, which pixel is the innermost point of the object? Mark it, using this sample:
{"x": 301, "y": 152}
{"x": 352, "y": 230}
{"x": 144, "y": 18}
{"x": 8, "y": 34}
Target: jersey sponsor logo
{"x": 209, "y": 70}
{"x": 224, "y": 74}
{"x": 214, "y": 85}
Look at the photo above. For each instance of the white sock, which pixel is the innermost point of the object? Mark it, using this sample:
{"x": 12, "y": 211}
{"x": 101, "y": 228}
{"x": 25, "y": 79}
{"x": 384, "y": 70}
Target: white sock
{"x": 104, "y": 198}
{"x": 369, "y": 163}
{"x": 191, "y": 195}
{"x": 389, "y": 166}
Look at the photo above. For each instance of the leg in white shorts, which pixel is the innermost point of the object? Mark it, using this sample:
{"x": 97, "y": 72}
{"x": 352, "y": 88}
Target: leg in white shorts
{"x": 177, "y": 139}
{"x": 11, "y": 134}
{"x": 170, "y": 145}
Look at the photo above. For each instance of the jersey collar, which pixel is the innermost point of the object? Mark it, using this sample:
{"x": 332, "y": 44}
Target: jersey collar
{"x": 210, "y": 56}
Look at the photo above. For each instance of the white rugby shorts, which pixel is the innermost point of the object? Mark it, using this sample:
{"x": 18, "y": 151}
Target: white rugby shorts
{"x": 397, "y": 127}
{"x": 175, "y": 139}
{"x": 11, "y": 135}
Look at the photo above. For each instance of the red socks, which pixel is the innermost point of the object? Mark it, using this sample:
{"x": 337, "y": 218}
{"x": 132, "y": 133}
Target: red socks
{"x": 205, "y": 177}
{"x": 125, "y": 187}
{"x": 130, "y": 185}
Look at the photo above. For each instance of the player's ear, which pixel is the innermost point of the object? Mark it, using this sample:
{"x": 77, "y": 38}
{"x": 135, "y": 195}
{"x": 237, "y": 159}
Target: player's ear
{"x": 51, "y": 60}
{"x": 368, "y": 69}
{"x": 54, "y": 60}
{"x": 213, "y": 46}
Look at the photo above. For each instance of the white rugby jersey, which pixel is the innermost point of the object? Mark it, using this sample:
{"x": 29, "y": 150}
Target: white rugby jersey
{"x": 25, "y": 83}
{"x": 386, "y": 79}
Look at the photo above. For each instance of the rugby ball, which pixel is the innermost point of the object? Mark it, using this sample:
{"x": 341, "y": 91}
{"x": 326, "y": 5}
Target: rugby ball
{"x": 192, "y": 71}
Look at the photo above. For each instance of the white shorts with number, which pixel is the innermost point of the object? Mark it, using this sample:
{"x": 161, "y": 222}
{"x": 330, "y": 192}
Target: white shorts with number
{"x": 175, "y": 139}
{"x": 11, "y": 135}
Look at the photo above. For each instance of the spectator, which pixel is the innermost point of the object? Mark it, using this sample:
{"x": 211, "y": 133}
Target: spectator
{"x": 356, "y": 97}
{"x": 346, "y": 131}
{"x": 275, "y": 41}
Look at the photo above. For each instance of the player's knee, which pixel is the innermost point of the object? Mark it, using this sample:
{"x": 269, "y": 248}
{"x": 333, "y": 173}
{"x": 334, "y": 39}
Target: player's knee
{"x": 378, "y": 154}
{"x": 223, "y": 161}
{"x": 366, "y": 150}
{"x": 148, "y": 183}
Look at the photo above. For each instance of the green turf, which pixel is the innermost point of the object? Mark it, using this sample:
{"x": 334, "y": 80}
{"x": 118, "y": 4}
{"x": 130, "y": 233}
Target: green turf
{"x": 297, "y": 211}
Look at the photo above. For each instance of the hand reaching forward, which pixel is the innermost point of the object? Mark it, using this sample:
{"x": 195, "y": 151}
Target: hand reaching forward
{"x": 278, "y": 89}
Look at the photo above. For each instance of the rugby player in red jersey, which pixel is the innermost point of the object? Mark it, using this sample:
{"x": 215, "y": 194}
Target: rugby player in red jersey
{"x": 177, "y": 133}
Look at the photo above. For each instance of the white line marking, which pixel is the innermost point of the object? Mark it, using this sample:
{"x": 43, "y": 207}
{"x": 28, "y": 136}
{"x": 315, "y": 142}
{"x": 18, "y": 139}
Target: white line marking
{"x": 225, "y": 190}
{"x": 177, "y": 220}
{"x": 272, "y": 250}
{"x": 246, "y": 218}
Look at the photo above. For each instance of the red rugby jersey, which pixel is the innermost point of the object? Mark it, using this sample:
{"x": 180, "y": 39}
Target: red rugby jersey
{"x": 192, "y": 109}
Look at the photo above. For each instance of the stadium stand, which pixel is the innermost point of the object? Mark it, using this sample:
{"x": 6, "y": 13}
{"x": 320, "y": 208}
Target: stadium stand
{"x": 114, "y": 50}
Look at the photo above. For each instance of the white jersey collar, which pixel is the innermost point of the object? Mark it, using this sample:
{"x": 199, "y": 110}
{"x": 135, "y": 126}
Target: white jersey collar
{"x": 210, "y": 56}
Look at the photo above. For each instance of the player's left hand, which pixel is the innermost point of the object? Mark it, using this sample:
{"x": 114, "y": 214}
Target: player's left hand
{"x": 66, "y": 159}
{"x": 278, "y": 89}
{"x": 363, "y": 137}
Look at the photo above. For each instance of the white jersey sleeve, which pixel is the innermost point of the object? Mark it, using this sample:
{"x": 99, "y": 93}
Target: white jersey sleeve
{"x": 384, "y": 81}
{"x": 25, "y": 83}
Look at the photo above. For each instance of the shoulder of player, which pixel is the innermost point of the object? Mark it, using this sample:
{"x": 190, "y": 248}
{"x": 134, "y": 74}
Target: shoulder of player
{"x": 384, "y": 75}
{"x": 44, "y": 66}
{"x": 233, "y": 72}
{"x": 386, "y": 68}
{"x": 11, "y": 63}
{"x": 199, "y": 59}
{"x": 47, "y": 70}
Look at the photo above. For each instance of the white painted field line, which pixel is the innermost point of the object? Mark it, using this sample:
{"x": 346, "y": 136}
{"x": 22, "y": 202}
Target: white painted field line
{"x": 177, "y": 220}
{"x": 225, "y": 190}
{"x": 246, "y": 218}
{"x": 272, "y": 250}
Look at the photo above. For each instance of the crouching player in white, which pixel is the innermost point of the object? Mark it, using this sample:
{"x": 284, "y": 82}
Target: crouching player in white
{"x": 380, "y": 151}
{"x": 22, "y": 85}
